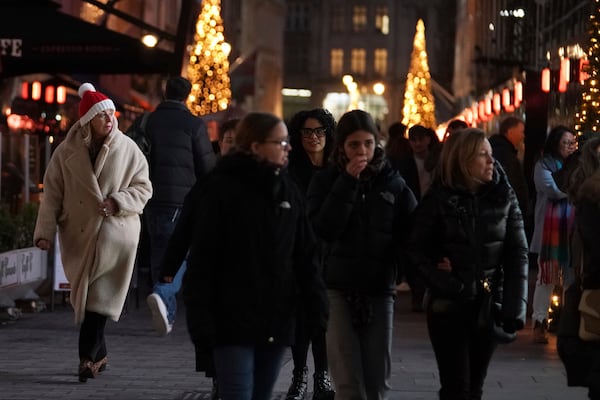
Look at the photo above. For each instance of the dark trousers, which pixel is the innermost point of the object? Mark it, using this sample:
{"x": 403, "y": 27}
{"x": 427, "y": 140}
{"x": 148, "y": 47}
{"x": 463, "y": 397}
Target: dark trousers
{"x": 462, "y": 352}
{"x": 319, "y": 351}
{"x": 91, "y": 337}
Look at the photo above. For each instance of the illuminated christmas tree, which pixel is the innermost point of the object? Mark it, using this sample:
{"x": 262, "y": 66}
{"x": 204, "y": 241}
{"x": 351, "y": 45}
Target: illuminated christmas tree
{"x": 419, "y": 105}
{"x": 588, "y": 117}
{"x": 208, "y": 69}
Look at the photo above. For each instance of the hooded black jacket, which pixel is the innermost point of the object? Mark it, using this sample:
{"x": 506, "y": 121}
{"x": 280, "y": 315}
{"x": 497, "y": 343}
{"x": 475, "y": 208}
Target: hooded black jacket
{"x": 252, "y": 256}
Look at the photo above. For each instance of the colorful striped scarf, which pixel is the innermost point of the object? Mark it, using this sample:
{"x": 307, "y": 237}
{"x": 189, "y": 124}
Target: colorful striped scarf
{"x": 554, "y": 254}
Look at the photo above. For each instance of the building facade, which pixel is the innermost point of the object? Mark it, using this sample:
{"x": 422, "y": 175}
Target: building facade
{"x": 370, "y": 40}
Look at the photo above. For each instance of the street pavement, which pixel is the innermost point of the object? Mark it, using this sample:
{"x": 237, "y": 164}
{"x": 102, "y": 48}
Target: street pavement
{"x": 38, "y": 360}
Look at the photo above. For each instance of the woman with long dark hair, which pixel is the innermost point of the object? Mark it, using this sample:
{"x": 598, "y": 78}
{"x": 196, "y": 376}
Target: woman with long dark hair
{"x": 361, "y": 209}
{"x": 311, "y": 135}
{"x": 553, "y": 225}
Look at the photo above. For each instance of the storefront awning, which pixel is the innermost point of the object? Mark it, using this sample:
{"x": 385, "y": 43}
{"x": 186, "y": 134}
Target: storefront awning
{"x": 40, "y": 38}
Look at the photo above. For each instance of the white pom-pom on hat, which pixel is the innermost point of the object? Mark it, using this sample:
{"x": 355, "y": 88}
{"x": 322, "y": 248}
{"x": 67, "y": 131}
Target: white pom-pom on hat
{"x": 84, "y": 88}
{"x": 92, "y": 103}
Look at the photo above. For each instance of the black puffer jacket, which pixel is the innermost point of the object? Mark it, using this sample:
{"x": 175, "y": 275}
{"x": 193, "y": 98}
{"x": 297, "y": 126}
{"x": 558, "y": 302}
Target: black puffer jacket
{"x": 180, "y": 152}
{"x": 252, "y": 257}
{"x": 483, "y": 237}
{"x": 364, "y": 224}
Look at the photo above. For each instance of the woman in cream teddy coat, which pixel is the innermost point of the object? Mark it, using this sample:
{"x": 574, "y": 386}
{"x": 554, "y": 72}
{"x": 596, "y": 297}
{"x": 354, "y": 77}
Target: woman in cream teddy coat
{"x": 95, "y": 186}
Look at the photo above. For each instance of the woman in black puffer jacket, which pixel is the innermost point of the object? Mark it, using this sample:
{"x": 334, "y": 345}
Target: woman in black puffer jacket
{"x": 469, "y": 239}
{"x": 360, "y": 207}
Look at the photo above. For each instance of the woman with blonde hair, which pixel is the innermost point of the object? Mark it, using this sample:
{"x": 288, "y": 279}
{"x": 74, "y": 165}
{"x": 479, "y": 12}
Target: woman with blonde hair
{"x": 469, "y": 245}
{"x": 95, "y": 187}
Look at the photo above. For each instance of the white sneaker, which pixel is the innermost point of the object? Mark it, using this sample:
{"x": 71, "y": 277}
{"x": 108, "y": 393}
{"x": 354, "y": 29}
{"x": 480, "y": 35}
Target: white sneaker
{"x": 159, "y": 314}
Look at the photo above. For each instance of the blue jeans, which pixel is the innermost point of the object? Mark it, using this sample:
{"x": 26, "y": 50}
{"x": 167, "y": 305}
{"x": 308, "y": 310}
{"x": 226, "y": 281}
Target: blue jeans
{"x": 168, "y": 292}
{"x": 360, "y": 357}
{"x": 247, "y": 372}
{"x": 160, "y": 223}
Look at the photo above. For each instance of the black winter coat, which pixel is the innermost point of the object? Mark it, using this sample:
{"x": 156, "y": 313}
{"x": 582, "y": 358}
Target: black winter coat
{"x": 364, "y": 224}
{"x": 587, "y": 221}
{"x": 505, "y": 153}
{"x": 180, "y": 152}
{"x": 252, "y": 257}
{"x": 483, "y": 237}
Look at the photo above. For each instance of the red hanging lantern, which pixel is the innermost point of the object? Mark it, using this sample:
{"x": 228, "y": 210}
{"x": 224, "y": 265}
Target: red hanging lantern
{"x": 518, "y": 93}
{"x": 36, "y": 91}
{"x": 49, "y": 94}
{"x": 496, "y": 103}
{"x": 546, "y": 80}
{"x": 505, "y": 98}
{"x": 61, "y": 95}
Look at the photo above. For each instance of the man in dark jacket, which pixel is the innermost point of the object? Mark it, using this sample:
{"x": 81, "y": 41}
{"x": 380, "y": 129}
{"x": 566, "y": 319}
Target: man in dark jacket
{"x": 180, "y": 154}
{"x": 505, "y": 145}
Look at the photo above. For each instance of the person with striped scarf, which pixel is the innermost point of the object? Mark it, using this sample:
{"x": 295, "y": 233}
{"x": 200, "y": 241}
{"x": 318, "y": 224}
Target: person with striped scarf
{"x": 553, "y": 224}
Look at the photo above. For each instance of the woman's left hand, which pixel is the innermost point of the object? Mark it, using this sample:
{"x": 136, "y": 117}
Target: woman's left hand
{"x": 108, "y": 207}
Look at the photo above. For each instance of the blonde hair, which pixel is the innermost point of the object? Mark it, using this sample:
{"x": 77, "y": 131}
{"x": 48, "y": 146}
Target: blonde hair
{"x": 458, "y": 152}
{"x": 86, "y": 134}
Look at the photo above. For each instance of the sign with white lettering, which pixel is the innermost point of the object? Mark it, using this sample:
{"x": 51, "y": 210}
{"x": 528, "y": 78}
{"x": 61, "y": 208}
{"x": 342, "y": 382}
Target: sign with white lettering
{"x": 11, "y": 47}
{"x": 22, "y": 266}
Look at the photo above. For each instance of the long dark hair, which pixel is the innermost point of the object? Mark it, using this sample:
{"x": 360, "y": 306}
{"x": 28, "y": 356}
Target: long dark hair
{"x": 300, "y": 165}
{"x": 349, "y": 123}
{"x": 552, "y": 144}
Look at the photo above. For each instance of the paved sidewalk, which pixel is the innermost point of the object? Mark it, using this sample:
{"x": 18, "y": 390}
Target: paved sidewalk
{"x": 38, "y": 360}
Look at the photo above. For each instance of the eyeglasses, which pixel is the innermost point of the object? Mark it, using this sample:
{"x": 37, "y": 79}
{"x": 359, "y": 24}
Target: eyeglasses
{"x": 283, "y": 143}
{"x": 320, "y": 131}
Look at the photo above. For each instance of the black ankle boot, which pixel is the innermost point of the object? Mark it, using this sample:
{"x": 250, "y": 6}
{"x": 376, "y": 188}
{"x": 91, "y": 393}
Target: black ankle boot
{"x": 322, "y": 389}
{"x": 299, "y": 386}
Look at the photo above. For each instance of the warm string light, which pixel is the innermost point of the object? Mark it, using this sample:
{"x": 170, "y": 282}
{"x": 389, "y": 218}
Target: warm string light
{"x": 208, "y": 69}
{"x": 419, "y": 105}
{"x": 588, "y": 117}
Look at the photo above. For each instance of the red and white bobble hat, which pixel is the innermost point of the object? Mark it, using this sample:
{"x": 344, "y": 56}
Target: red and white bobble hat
{"x": 92, "y": 103}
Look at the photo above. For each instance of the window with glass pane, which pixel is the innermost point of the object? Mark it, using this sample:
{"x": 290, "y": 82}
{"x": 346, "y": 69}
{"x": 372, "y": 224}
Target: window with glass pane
{"x": 359, "y": 19}
{"x": 380, "y": 62}
{"x": 337, "y": 19}
{"x": 358, "y": 61}
{"x": 337, "y": 62}
{"x": 382, "y": 20}
{"x": 298, "y": 18}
